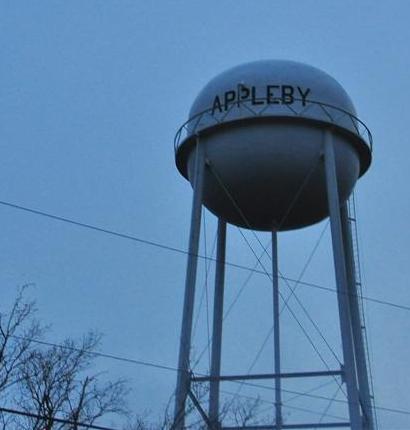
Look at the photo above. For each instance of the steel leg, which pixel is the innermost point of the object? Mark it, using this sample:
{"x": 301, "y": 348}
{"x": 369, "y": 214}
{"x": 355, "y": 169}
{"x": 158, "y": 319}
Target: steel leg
{"x": 341, "y": 283}
{"x": 183, "y": 379}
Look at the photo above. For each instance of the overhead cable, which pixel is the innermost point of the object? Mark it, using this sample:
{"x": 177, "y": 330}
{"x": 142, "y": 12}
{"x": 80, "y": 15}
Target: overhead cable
{"x": 174, "y": 369}
{"x": 182, "y": 251}
{"x": 75, "y": 424}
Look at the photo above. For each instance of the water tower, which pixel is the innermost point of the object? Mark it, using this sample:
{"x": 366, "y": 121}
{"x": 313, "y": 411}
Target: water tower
{"x": 272, "y": 146}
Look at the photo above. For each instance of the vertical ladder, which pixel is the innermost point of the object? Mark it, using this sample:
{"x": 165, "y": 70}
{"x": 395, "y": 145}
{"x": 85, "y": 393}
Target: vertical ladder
{"x": 358, "y": 280}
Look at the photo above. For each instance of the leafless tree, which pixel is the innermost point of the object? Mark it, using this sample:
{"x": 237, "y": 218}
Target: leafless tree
{"x": 55, "y": 383}
{"x": 239, "y": 412}
{"x": 165, "y": 420}
{"x": 18, "y": 330}
{"x": 51, "y": 382}
{"x": 243, "y": 412}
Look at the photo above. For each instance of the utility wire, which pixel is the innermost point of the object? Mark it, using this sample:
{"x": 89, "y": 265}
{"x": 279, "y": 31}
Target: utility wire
{"x": 316, "y": 396}
{"x": 285, "y": 405}
{"x": 318, "y": 387}
{"x": 174, "y": 249}
{"x": 182, "y": 251}
{"x": 100, "y": 354}
{"x": 174, "y": 369}
{"x": 332, "y": 290}
{"x": 313, "y": 396}
{"x": 122, "y": 235}
{"x": 75, "y": 424}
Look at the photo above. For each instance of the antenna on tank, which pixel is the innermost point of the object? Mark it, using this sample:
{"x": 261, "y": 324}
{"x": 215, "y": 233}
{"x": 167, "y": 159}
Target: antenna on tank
{"x": 272, "y": 146}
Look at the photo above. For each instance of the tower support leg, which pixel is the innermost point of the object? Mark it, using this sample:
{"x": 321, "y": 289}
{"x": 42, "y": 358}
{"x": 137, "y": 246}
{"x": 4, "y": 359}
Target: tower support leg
{"x": 276, "y": 332}
{"x": 217, "y": 326}
{"x": 341, "y": 283}
{"x": 184, "y": 377}
{"x": 358, "y": 340}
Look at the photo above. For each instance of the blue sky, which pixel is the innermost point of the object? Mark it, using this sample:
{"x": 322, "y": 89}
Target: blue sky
{"x": 91, "y": 95}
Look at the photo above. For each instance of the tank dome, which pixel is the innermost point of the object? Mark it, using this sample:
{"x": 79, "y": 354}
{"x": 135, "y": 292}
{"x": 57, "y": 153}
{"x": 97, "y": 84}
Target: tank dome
{"x": 261, "y": 126}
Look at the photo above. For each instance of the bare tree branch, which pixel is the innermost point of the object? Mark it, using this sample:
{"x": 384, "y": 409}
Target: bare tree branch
{"x": 54, "y": 384}
{"x": 18, "y": 329}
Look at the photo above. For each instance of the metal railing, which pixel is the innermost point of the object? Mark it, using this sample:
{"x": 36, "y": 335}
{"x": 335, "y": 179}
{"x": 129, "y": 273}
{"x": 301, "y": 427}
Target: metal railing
{"x": 334, "y": 115}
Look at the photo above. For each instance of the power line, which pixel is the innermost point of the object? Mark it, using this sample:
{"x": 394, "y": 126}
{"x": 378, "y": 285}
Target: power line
{"x": 173, "y": 249}
{"x": 332, "y": 290}
{"x": 316, "y": 396}
{"x": 174, "y": 369}
{"x": 182, "y": 251}
{"x": 55, "y": 419}
{"x": 93, "y": 227}
{"x": 100, "y": 354}
{"x": 285, "y": 405}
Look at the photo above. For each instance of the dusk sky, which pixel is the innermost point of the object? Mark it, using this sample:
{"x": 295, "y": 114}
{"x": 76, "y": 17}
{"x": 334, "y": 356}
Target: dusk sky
{"x": 91, "y": 96}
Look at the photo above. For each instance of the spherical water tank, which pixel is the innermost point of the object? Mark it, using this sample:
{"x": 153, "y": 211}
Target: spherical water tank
{"x": 261, "y": 127}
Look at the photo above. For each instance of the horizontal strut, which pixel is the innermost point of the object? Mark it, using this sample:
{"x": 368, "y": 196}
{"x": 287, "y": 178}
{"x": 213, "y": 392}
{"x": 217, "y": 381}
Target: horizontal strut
{"x": 267, "y": 376}
{"x": 293, "y": 426}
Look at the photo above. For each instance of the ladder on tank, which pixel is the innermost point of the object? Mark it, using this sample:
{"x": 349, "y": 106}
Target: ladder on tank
{"x": 351, "y": 206}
